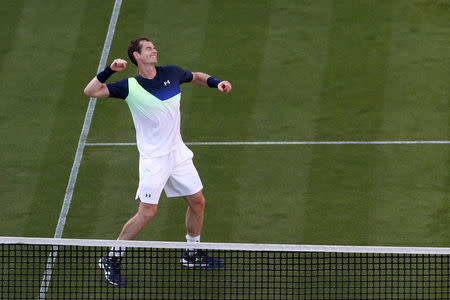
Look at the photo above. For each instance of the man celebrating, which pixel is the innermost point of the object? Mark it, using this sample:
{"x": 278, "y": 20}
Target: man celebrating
{"x": 165, "y": 162}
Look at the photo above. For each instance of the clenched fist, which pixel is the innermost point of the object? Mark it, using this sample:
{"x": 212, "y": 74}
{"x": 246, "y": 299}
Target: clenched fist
{"x": 118, "y": 64}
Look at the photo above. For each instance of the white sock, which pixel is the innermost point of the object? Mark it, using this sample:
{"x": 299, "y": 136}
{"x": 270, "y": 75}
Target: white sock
{"x": 192, "y": 239}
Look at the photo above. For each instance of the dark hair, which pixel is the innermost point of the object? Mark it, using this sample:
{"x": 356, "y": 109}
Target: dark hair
{"x": 135, "y": 45}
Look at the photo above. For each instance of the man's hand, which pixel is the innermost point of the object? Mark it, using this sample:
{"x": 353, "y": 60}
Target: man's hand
{"x": 224, "y": 86}
{"x": 118, "y": 64}
{"x": 97, "y": 87}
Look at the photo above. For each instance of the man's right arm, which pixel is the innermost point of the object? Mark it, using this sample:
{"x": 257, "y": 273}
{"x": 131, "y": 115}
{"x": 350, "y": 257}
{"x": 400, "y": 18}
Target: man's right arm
{"x": 97, "y": 87}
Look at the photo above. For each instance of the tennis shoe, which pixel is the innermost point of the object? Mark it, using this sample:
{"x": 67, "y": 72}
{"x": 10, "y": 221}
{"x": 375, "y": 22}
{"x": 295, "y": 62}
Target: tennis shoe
{"x": 199, "y": 258}
{"x": 111, "y": 267}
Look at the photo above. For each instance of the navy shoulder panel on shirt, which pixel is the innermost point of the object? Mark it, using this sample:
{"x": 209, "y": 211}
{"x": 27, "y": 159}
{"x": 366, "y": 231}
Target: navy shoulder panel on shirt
{"x": 182, "y": 74}
{"x": 166, "y": 83}
{"x": 118, "y": 89}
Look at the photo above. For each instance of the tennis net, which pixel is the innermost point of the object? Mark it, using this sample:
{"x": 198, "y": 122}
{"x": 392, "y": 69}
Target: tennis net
{"x": 39, "y": 268}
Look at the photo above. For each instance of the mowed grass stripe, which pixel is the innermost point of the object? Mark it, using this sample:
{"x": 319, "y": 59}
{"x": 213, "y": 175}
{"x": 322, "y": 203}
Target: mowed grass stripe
{"x": 418, "y": 89}
{"x": 410, "y": 197}
{"x": 11, "y": 175}
{"x": 70, "y": 112}
{"x": 272, "y": 179}
{"x": 232, "y": 50}
{"x": 415, "y": 179}
{"x": 32, "y": 79}
{"x": 356, "y": 72}
{"x": 247, "y": 25}
{"x": 104, "y": 198}
{"x": 339, "y": 204}
{"x": 9, "y": 10}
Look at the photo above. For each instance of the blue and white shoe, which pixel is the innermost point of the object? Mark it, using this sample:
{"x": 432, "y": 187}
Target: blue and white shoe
{"x": 111, "y": 267}
{"x": 199, "y": 258}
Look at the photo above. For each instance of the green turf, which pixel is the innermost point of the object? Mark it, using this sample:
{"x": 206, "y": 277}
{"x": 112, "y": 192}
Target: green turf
{"x": 301, "y": 70}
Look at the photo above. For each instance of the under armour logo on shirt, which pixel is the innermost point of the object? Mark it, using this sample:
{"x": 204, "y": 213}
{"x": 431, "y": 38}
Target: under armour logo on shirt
{"x": 166, "y": 82}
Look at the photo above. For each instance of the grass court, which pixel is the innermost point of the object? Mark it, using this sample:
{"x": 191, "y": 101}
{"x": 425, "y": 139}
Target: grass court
{"x": 301, "y": 71}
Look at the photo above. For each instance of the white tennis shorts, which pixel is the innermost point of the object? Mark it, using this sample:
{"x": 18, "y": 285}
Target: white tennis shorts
{"x": 174, "y": 172}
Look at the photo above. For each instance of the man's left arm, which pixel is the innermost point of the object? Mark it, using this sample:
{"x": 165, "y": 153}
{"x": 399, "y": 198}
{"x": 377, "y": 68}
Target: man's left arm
{"x": 207, "y": 80}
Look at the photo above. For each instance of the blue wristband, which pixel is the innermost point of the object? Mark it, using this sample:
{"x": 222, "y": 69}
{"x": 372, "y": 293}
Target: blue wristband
{"x": 105, "y": 74}
{"x": 213, "y": 82}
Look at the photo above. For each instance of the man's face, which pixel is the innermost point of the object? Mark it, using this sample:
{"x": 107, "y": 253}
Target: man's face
{"x": 148, "y": 55}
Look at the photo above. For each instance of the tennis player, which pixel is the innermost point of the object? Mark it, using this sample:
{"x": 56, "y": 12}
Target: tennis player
{"x": 153, "y": 97}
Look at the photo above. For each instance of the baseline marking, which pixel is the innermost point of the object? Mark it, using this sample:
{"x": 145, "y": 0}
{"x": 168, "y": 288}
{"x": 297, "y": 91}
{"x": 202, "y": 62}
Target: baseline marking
{"x": 78, "y": 156}
{"x": 285, "y": 143}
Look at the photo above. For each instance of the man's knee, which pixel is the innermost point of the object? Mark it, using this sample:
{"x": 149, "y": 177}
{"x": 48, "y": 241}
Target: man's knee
{"x": 147, "y": 211}
{"x": 196, "y": 201}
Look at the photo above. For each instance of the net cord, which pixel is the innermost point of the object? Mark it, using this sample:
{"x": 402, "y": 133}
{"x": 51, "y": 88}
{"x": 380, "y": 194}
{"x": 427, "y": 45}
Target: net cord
{"x": 226, "y": 246}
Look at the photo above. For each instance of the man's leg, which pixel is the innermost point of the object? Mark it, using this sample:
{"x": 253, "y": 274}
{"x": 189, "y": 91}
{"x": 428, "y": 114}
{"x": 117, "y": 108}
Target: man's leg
{"x": 194, "y": 213}
{"x": 111, "y": 263}
{"x": 194, "y": 224}
{"x": 145, "y": 213}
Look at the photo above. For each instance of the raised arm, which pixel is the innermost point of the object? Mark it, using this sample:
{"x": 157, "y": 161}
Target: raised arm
{"x": 97, "y": 87}
{"x": 204, "y": 79}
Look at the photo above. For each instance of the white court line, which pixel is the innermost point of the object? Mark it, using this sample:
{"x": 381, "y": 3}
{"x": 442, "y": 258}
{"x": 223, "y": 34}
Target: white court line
{"x": 78, "y": 156}
{"x": 285, "y": 143}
